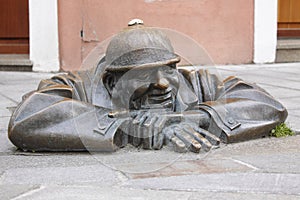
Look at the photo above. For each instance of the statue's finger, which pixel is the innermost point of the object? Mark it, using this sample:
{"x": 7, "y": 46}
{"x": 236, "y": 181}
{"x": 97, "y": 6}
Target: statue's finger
{"x": 158, "y": 136}
{"x": 149, "y": 123}
{"x": 137, "y": 121}
{"x": 139, "y": 118}
{"x": 123, "y": 114}
{"x": 206, "y": 145}
{"x": 190, "y": 142}
{"x": 178, "y": 145}
{"x": 148, "y": 132}
{"x": 125, "y": 128}
{"x": 137, "y": 128}
{"x": 119, "y": 114}
{"x": 145, "y": 139}
{"x": 214, "y": 140}
{"x": 141, "y": 132}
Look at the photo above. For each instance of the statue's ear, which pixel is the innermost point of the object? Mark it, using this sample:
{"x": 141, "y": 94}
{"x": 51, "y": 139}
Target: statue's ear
{"x": 109, "y": 81}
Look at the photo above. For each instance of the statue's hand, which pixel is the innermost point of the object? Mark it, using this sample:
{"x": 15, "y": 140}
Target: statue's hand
{"x": 151, "y": 129}
{"x": 146, "y": 129}
{"x": 190, "y": 137}
{"x": 143, "y": 127}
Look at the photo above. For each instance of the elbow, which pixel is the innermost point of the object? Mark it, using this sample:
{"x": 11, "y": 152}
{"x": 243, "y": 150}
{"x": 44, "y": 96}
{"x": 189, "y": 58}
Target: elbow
{"x": 283, "y": 114}
{"x": 16, "y": 137}
{"x": 20, "y": 136}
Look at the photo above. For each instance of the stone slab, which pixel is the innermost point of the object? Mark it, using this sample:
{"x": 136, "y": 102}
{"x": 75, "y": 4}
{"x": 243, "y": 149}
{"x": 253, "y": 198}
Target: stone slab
{"x": 96, "y": 174}
{"x": 14, "y": 191}
{"x": 287, "y": 55}
{"x": 18, "y": 160}
{"x": 230, "y": 182}
{"x": 264, "y": 146}
{"x": 288, "y": 44}
{"x": 291, "y": 103}
{"x": 5, "y": 145}
{"x": 293, "y": 120}
{"x": 273, "y": 163}
{"x": 281, "y": 93}
{"x": 91, "y": 192}
{"x": 188, "y": 167}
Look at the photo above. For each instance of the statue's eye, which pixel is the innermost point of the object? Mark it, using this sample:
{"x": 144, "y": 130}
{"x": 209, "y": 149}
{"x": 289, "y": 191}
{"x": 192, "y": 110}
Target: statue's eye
{"x": 169, "y": 71}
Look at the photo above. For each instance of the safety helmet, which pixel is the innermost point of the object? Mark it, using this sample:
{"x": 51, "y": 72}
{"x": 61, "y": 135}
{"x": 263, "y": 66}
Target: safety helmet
{"x": 139, "y": 46}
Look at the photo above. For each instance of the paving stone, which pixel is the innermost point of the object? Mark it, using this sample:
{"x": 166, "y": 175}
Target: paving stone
{"x": 292, "y": 68}
{"x": 239, "y": 195}
{"x": 282, "y": 67}
{"x": 139, "y": 163}
{"x": 291, "y": 103}
{"x": 281, "y": 93}
{"x": 276, "y": 155}
{"x": 95, "y": 174}
{"x": 5, "y": 145}
{"x": 264, "y": 146}
{"x": 15, "y": 95}
{"x": 293, "y": 120}
{"x": 96, "y": 192}
{"x": 12, "y": 191}
{"x": 188, "y": 167}
{"x": 4, "y": 120}
{"x": 19, "y": 160}
{"x": 5, "y": 105}
{"x": 9, "y": 77}
{"x": 273, "y": 162}
{"x": 287, "y": 55}
{"x": 270, "y": 73}
{"x": 273, "y": 81}
{"x": 229, "y": 182}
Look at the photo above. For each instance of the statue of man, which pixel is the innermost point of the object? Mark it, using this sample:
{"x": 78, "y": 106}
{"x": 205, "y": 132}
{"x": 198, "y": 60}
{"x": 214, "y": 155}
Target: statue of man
{"x": 137, "y": 95}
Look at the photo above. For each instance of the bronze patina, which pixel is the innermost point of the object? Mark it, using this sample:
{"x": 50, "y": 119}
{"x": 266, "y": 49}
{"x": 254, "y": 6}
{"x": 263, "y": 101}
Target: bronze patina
{"x": 136, "y": 95}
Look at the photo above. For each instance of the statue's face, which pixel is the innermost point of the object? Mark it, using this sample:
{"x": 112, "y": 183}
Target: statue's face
{"x": 146, "y": 88}
{"x": 157, "y": 91}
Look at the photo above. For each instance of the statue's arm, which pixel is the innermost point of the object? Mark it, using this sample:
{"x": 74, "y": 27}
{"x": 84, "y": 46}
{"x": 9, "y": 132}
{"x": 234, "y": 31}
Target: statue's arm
{"x": 56, "y": 118}
{"x": 238, "y": 110}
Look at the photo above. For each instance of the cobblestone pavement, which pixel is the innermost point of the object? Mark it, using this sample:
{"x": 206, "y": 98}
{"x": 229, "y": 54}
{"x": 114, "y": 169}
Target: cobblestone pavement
{"x": 266, "y": 168}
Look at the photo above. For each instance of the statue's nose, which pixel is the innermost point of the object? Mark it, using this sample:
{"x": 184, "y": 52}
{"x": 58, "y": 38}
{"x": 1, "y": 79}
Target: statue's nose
{"x": 162, "y": 83}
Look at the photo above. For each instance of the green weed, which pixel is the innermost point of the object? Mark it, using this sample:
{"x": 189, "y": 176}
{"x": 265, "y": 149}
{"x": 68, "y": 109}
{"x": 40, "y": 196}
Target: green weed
{"x": 282, "y": 130}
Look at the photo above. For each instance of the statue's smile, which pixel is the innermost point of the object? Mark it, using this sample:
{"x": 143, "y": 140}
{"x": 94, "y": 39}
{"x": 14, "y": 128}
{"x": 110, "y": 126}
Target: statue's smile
{"x": 157, "y": 99}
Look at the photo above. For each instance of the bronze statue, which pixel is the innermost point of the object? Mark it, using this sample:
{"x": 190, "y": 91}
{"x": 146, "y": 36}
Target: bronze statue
{"x": 136, "y": 95}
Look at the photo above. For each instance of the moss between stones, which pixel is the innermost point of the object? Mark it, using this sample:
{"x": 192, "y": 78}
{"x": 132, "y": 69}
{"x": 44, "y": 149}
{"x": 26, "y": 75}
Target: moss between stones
{"x": 282, "y": 130}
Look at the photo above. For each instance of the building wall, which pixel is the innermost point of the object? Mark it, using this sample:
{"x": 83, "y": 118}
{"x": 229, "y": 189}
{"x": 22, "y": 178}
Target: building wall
{"x": 265, "y": 31}
{"x": 223, "y": 28}
{"x": 44, "y": 38}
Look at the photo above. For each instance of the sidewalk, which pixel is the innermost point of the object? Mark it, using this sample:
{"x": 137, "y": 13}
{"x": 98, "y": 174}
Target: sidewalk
{"x": 266, "y": 168}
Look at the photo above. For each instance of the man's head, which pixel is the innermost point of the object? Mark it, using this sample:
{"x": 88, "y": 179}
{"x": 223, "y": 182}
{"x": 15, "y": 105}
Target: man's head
{"x": 141, "y": 69}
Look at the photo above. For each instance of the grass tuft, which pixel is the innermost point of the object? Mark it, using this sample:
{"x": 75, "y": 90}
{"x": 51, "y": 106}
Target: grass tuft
{"x": 282, "y": 130}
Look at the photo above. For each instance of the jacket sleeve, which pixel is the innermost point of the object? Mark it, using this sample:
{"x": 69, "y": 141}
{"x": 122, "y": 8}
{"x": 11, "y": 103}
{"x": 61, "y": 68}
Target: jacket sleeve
{"x": 57, "y": 117}
{"x": 239, "y": 110}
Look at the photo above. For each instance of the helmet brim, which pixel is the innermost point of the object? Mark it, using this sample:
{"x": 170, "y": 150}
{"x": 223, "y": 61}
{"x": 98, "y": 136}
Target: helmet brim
{"x": 143, "y": 58}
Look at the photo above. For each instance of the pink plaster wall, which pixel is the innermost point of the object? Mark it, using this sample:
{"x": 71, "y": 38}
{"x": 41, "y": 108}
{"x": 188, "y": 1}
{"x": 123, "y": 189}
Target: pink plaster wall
{"x": 223, "y": 28}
